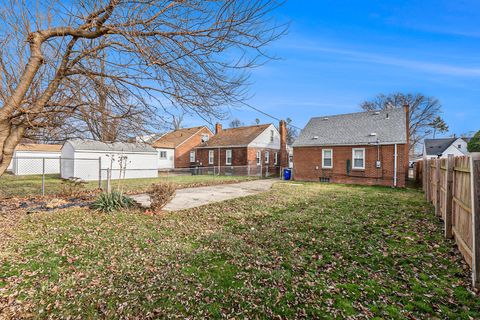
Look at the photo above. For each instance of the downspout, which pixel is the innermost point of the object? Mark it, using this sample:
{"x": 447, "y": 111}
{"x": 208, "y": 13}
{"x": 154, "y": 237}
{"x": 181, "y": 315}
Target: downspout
{"x": 395, "y": 166}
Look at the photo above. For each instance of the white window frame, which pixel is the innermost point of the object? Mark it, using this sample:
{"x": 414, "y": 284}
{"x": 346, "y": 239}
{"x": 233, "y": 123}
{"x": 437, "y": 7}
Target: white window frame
{"x": 193, "y": 156}
{"x": 160, "y": 155}
{"x": 272, "y": 136}
{"x": 228, "y": 155}
{"x": 353, "y": 158}
{"x": 276, "y": 158}
{"x": 211, "y": 156}
{"x": 267, "y": 157}
{"x": 259, "y": 158}
{"x": 323, "y": 159}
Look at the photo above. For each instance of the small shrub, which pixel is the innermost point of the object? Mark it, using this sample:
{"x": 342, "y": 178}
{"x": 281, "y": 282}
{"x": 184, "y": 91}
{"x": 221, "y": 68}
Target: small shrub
{"x": 113, "y": 201}
{"x": 161, "y": 194}
{"x": 72, "y": 187}
{"x": 474, "y": 143}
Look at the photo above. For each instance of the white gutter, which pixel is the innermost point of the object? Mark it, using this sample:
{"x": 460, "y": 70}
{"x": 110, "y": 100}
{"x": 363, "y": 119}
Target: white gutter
{"x": 395, "y": 166}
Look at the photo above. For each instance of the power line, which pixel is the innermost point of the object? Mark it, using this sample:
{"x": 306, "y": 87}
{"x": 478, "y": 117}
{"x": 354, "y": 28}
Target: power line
{"x": 266, "y": 114}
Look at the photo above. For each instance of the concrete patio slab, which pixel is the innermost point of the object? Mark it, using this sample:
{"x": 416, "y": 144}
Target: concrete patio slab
{"x": 196, "y": 197}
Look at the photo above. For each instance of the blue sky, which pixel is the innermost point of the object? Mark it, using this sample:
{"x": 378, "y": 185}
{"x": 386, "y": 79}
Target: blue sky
{"x": 339, "y": 53}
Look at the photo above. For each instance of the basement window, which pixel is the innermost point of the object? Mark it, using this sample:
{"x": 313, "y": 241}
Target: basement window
{"x": 324, "y": 179}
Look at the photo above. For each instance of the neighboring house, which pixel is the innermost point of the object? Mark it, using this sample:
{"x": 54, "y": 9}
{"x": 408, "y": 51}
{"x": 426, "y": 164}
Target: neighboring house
{"x": 255, "y": 150}
{"x": 441, "y": 148}
{"x": 89, "y": 159}
{"x": 176, "y": 148}
{"x": 363, "y": 148}
{"x": 28, "y": 159}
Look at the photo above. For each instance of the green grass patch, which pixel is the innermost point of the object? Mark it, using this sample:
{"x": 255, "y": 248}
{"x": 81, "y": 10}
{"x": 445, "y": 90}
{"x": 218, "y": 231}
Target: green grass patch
{"x": 308, "y": 251}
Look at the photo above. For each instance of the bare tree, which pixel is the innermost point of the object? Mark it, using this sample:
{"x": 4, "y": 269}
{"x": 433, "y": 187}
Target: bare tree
{"x": 153, "y": 53}
{"x": 423, "y": 111}
{"x": 235, "y": 123}
{"x": 292, "y": 132}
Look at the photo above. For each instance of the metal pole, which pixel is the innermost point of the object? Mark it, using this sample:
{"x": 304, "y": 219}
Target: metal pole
{"x": 100, "y": 172}
{"x": 108, "y": 180}
{"x": 43, "y": 176}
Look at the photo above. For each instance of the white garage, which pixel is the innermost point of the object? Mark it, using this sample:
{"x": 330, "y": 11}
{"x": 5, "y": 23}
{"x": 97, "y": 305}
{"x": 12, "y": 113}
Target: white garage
{"x": 89, "y": 159}
{"x": 30, "y": 158}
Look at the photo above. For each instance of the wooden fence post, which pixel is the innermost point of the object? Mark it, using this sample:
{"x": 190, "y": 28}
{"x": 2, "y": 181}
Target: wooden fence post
{"x": 449, "y": 196}
{"x": 424, "y": 174}
{"x": 427, "y": 180}
{"x": 475, "y": 189}
{"x": 437, "y": 203}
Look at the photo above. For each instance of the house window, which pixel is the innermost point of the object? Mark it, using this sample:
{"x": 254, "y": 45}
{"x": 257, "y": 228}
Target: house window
{"x": 327, "y": 158}
{"x": 205, "y": 137}
{"x": 276, "y": 158}
{"x": 358, "y": 156}
{"x": 211, "y": 156}
{"x": 192, "y": 156}
{"x": 228, "y": 159}
{"x": 267, "y": 157}
{"x": 259, "y": 158}
{"x": 163, "y": 154}
{"x": 272, "y": 135}
{"x": 459, "y": 146}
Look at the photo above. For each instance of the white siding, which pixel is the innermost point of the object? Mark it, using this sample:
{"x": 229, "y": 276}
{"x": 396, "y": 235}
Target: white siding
{"x": 264, "y": 139}
{"x": 169, "y": 161}
{"x": 86, "y": 164}
{"x": 31, "y": 162}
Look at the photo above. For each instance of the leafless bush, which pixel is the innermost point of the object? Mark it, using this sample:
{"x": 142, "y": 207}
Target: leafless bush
{"x": 161, "y": 194}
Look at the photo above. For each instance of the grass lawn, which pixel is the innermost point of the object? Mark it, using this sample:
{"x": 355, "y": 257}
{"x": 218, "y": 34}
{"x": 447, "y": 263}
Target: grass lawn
{"x": 25, "y": 186}
{"x": 299, "y": 251}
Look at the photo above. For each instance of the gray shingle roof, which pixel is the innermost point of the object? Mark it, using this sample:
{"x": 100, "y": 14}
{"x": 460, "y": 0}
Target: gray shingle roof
{"x": 355, "y": 129}
{"x": 87, "y": 145}
{"x": 435, "y": 147}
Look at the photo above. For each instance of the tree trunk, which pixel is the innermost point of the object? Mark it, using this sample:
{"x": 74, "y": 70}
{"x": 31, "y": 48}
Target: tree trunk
{"x": 10, "y": 136}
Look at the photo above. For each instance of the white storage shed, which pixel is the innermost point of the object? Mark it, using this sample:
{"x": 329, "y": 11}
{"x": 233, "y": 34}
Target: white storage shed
{"x": 30, "y": 158}
{"x": 89, "y": 159}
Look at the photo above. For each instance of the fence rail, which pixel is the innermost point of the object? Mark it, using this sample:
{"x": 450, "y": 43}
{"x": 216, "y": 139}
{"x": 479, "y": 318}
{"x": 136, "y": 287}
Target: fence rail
{"x": 452, "y": 185}
{"x": 34, "y": 176}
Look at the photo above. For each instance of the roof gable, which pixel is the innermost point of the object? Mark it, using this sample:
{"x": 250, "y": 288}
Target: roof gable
{"x": 235, "y": 137}
{"x": 175, "y": 138}
{"x": 361, "y": 128}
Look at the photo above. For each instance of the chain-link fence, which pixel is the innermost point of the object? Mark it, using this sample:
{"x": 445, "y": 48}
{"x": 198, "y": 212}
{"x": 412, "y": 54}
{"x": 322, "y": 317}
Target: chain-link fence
{"x": 34, "y": 176}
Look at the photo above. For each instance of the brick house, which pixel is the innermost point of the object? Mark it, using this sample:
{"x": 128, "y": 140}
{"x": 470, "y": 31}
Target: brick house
{"x": 362, "y": 148}
{"x": 255, "y": 150}
{"x": 175, "y": 148}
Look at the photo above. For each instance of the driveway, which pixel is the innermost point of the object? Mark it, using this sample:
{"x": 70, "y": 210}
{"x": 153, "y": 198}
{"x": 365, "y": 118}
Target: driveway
{"x": 196, "y": 197}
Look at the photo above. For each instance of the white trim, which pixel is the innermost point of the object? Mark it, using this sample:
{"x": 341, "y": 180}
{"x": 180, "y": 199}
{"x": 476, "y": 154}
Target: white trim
{"x": 323, "y": 159}
{"x": 267, "y": 157}
{"x": 366, "y": 143}
{"x": 227, "y": 152}
{"x": 194, "y": 156}
{"x": 276, "y": 158}
{"x": 353, "y": 159}
{"x": 204, "y": 127}
{"x": 211, "y": 156}
{"x": 259, "y": 158}
{"x": 395, "y": 157}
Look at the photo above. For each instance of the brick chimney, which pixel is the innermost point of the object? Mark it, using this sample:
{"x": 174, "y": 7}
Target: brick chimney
{"x": 282, "y": 128}
{"x": 406, "y": 109}
{"x": 218, "y": 128}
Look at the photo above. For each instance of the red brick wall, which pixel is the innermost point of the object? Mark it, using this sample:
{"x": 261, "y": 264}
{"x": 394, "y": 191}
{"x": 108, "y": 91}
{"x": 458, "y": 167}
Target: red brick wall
{"x": 182, "y": 152}
{"x": 241, "y": 157}
{"x": 308, "y": 165}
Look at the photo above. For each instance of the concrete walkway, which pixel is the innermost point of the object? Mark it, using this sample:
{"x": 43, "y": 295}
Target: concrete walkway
{"x": 196, "y": 197}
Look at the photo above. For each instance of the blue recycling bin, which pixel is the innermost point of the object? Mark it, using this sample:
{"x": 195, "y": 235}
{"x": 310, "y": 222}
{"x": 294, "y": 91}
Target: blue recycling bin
{"x": 287, "y": 174}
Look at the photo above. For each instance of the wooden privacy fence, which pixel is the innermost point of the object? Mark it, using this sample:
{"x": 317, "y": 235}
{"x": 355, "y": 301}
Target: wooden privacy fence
{"x": 452, "y": 185}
